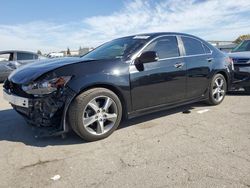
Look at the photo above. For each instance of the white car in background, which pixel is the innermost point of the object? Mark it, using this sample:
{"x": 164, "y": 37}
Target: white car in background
{"x": 10, "y": 60}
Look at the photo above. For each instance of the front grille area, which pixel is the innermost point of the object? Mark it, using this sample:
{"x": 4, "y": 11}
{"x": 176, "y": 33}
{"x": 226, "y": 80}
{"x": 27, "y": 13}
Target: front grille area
{"x": 43, "y": 111}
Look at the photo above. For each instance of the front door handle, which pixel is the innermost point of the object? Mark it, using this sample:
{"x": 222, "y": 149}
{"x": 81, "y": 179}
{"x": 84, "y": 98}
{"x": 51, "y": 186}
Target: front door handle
{"x": 179, "y": 65}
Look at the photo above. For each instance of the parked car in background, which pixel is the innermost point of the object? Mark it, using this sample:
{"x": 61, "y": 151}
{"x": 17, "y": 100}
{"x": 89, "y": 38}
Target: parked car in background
{"x": 10, "y": 60}
{"x": 55, "y": 54}
{"x": 241, "y": 59}
{"x": 126, "y": 77}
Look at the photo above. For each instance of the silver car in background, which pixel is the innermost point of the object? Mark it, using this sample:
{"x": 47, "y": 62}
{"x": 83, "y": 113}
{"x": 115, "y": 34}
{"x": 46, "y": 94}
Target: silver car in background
{"x": 10, "y": 60}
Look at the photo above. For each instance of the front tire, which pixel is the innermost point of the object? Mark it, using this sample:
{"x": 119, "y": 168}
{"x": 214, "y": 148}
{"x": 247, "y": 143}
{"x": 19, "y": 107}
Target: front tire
{"x": 217, "y": 90}
{"x": 95, "y": 114}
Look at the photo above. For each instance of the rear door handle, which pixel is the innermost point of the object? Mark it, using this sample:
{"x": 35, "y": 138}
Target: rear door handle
{"x": 179, "y": 65}
{"x": 210, "y": 59}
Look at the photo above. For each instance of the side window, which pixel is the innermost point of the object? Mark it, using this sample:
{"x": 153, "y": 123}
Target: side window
{"x": 192, "y": 46}
{"x": 5, "y": 57}
{"x": 24, "y": 56}
{"x": 207, "y": 50}
{"x": 165, "y": 47}
{"x": 35, "y": 56}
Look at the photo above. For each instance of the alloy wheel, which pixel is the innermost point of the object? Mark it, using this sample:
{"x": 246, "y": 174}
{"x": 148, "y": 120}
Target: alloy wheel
{"x": 100, "y": 115}
{"x": 218, "y": 92}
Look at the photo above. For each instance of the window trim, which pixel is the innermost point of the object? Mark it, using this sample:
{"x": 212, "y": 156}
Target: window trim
{"x": 180, "y": 46}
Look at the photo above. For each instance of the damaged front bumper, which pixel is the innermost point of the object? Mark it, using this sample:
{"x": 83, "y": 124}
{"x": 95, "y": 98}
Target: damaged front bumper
{"x": 48, "y": 111}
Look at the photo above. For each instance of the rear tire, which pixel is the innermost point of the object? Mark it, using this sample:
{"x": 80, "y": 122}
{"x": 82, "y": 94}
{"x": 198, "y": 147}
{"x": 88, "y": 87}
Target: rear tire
{"x": 217, "y": 90}
{"x": 95, "y": 114}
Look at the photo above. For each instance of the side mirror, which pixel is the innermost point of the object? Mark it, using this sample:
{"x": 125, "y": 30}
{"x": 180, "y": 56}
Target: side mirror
{"x": 147, "y": 57}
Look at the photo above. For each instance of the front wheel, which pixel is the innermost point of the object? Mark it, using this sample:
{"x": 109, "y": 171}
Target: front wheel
{"x": 95, "y": 114}
{"x": 217, "y": 89}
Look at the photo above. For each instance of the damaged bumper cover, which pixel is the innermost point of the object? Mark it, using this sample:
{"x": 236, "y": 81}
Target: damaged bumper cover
{"x": 41, "y": 111}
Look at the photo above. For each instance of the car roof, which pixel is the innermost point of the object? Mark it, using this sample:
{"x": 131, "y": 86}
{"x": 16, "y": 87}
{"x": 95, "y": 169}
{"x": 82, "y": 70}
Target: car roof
{"x": 156, "y": 34}
{"x": 13, "y": 51}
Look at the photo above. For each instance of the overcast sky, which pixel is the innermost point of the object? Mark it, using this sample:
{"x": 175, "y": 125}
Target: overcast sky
{"x": 55, "y": 25}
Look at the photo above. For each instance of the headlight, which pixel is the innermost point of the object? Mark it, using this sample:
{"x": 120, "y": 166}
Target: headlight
{"x": 46, "y": 86}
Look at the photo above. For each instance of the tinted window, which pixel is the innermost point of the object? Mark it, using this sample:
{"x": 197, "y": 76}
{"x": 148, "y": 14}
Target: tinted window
{"x": 192, "y": 46}
{"x": 165, "y": 47}
{"x": 207, "y": 50}
{"x": 24, "y": 56}
{"x": 243, "y": 46}
{"x": 117, "y": 48}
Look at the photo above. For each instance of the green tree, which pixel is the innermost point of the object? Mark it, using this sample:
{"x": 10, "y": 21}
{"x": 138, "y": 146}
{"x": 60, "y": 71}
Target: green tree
{"x": 39, "y": 52}
{"x": 242, "y": 38}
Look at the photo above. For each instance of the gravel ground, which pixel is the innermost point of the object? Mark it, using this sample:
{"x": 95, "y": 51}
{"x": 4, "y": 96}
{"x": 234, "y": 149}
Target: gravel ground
{"x": 191, "y": 146}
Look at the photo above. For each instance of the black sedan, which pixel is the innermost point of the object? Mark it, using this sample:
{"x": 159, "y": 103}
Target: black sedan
{"x": 125, "y": 77}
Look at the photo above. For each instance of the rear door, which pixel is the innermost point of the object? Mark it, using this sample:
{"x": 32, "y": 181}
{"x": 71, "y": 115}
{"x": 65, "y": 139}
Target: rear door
{"x": 160, "y": 82}
{"x": 198, "y": 59}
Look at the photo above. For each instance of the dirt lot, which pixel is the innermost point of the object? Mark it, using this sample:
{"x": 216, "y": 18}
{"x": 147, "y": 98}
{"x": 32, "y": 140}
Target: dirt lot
{"x": 204, "y": 147}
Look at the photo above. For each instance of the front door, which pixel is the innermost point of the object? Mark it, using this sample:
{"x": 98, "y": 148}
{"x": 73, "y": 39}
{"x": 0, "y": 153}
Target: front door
{"x": 160, "y": 82}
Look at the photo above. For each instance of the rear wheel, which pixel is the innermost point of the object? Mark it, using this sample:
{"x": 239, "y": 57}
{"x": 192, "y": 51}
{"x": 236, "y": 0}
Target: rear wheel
{"x": 217, "y": 90}
{"x": 95, "y": 114}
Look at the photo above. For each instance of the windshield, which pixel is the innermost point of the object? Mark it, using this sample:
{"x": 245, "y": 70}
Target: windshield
{"x": 243, "y": 46}
{"x": 118, "y": 48}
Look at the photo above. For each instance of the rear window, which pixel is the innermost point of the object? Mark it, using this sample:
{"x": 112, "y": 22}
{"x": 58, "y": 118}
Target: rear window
{"x": 207, "y": 50}
{"x": 24, "y": 56}
{"x": 192, "y": 46}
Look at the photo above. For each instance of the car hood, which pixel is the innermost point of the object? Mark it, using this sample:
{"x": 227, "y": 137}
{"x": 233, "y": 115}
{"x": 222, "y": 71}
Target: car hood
{"x": 32, "y": 71}
{"x": 239, "y": 55}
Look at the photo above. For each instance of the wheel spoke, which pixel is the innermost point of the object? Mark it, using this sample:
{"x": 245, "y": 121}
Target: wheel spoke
{"x": 221, "y": 83}
{"x": 89, "y": 120}
{"x": 111, "y": 117}
{"x": 216, "y": 83}
{"x": 107, "y": 103}
{"x": 94, "y": 105}
{"x": 218, "y": 96}
{"x": 215, "y": 91}
{"x": 100, "y": 127}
